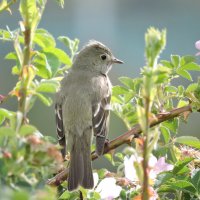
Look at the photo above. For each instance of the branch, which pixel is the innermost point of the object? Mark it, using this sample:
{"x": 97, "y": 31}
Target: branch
{"x": 125, "y": 139}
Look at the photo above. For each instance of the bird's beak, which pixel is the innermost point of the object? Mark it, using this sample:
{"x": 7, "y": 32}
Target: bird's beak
{"x": 115, "y": 60}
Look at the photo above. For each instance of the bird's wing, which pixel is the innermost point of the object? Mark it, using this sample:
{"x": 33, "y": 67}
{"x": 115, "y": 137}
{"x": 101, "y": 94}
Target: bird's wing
{"x": 60, "y": 129}
{"x": 100, "y": 122}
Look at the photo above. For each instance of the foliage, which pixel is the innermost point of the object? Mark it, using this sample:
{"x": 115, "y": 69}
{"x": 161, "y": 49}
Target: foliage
{"x": 159, "y": 163}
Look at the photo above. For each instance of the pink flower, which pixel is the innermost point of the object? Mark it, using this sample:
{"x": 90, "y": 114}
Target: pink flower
{"x": 160, "y": 166}
{"x": 156, "y": 167}
{"x": 197, "y": 45}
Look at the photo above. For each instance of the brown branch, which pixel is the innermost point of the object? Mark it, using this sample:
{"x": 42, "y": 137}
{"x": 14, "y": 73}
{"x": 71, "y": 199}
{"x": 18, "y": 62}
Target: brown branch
{"x": 126, "y": 138}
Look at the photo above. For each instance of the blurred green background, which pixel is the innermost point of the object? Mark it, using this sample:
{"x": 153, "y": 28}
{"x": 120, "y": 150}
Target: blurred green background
{"x": 121, "y": 25}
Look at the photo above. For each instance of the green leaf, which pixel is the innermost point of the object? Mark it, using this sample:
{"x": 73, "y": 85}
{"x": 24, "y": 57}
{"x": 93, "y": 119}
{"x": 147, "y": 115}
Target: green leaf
{"x": 196, "y": 179}
{"x": 5, "y": 114}
{"x": 183, "y": 185}
{"x": 181, "y": 164}
{"x": 44, "y": 39}
{"x": 49, "y": 86}
{"x": 172, "y": 124}
{"x": 181, "y": 90}
{"x": 60, "y": 54}
{"x": 162, "y": 178}
{"x": 175, "y": 60}
{"x": 61, "y": 3}
{"x": 109, "y": 156}
{"x": 6, "y": 131}
{"x": 182, "y": 103}
{"x": 41, "y": 63}
{"x": 46, "y": 100}
{"x": 65, "y": 195}
{"x": 191, "y": 66}
{"x": 53, "y": 62}
{"x": 119, "y": 90}
{"x": 15, "y": 70}
{"x": 27, "y": 10}
{"x": 71, "y": 44}
{"x": 27, "y": 130}
{"x": 21, "y": 194}
{"x": 102, "y": 173}
{"x": 171, "y": 89}
{"x": 11, "y": 56}
{"x": 192, "y": 87}
{"x": 129, "y": 82}
{"x": 166, "y": 133}
{"x": 155, "y": 41}
{"x": 167, "y": 64}
{"x": 184, "y": 74}
{"x": 187, "y": 59}
{"x": 188, "y": 140}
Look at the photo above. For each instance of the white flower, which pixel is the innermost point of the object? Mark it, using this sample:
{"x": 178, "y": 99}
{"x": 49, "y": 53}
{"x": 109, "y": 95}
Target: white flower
{"x": 129, "y": 170}
{"x": 108, "y": 189}
{"x": 96, "y": 179}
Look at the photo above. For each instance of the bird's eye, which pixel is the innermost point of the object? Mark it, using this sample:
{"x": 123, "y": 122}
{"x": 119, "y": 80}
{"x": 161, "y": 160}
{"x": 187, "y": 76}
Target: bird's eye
{"x": 103, "y": 57}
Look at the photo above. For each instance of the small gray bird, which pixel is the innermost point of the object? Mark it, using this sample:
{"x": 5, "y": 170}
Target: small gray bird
{"x": 82, "y": 109}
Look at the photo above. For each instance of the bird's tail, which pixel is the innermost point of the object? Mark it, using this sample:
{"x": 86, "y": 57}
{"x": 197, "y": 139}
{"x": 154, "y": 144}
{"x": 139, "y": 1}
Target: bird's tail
{"x": 80, "y": 168}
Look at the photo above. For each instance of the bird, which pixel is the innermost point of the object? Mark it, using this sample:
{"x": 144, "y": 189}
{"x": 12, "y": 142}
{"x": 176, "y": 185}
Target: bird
{"x": 82, "y": 110}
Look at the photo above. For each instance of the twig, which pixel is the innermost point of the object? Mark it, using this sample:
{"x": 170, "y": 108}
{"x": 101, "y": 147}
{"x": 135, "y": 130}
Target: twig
{"x": 125, "y": 139}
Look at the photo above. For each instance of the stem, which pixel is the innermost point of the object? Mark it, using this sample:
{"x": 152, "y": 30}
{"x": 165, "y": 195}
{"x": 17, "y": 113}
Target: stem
{"x": 126, "y": 138}
{"x": 145, "y": 193}
{"x": 23, "y": 77}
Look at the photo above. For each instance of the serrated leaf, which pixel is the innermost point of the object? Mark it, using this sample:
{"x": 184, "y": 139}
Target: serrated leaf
{"x": 49, "y": 86}
{"x": 181, "y": 164}
{"x": 188, "y": 140}
{"x": 46, "y": 100}
{"x": 183, "y": 185}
